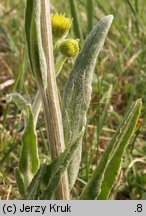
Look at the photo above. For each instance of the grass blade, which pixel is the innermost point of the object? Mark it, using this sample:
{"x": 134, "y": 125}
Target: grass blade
{"x": 103, "y": 117}
{"x": 90, "y": 14}
{"x": 104, "y": 9}
{"x": 74, "y": 14}
{"x": 139, "y": 22}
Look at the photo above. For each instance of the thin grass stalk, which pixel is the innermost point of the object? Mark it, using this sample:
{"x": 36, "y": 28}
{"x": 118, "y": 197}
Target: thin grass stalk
{"x": 89, "y": 9}
{"x": 139, "y": 22}
{"x": 76, "y": 25}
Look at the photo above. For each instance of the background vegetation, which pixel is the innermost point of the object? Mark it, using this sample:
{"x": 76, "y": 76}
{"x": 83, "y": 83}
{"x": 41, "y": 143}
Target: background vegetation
{"x": 121, "y": 64}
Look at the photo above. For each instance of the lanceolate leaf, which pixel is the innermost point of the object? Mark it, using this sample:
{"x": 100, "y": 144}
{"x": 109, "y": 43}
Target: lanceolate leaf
{"x": 56, "y": 170}
{"x": 19, "y": 101}
{"x": 50, "y": 175}
{"x": 28, "y": 19}
{"x": 116, "y": 145}
{"x": 29, "y": 160}
{"x": 59, "y": 64}
{"x": 41, "y": 178}
{"x": 77, "y": 93}
{"x": 33, "y": 189}
{"x": 20, "y": 182}
{"x": 113, "y": 168}
{"x": 34, "y": 42}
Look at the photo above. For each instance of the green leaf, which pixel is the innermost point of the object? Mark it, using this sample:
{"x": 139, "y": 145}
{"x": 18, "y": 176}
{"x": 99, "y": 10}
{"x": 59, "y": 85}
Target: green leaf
{"x": 34, "y": 42}
{"x": 56, "y": 169}
{"x": 20, "y": 182}
{"x": 33, "y": 189}
{"x": 19, "y": 101}
{"x": 104, "y": 9}
{"x": 59, "y": 64}
{"x": 42, "y": 177}
{"x": 36, "y": 107}
{"x": 89, "y": 8}
{"x": 111, "y": 159}
{"x": 75, "y": 16}
{"x": 49, "y": 175}
{"x": 114, "y": 166}
{"x": 29, "y": 160}
{"x": 78, "y": 89}
{"x": 28, "y": 19}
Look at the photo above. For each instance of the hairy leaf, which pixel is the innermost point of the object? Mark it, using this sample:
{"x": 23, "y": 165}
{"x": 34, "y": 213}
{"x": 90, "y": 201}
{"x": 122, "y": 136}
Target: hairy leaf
{"x": 56, "y": 169}
{"x": 77, "y": 93}
{"x": 19, "y": 101}
{"x": 29, "y": 160}
{"x": 116, "y": 145}
{"x": 113, "y": 168}
{"x": 33, "y": 189}
{"x": 34, "y": 42}
{"x": 20, "y": 182}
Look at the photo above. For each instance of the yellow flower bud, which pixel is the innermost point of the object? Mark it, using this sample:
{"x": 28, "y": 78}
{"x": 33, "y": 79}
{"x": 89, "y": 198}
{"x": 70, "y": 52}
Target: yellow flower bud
{"x": 69, "y": 47}
{"x": 60, "y": 25}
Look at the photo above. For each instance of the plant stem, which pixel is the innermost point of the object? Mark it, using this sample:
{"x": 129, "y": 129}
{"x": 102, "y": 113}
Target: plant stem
{"x": 51, "y": 101}
{"x": 36, "y": 107}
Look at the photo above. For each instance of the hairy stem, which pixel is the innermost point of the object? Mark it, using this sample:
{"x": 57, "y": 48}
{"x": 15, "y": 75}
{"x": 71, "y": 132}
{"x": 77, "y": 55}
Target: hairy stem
{"x": 50, "y": 100}
{"x": 36, "y": 107}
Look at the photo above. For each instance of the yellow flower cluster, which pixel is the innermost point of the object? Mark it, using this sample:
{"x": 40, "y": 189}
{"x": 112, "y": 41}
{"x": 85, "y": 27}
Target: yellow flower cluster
{"x": 60, "y": 28}
{"x": 69, "y": 47}
{"x": 60, "y": 25}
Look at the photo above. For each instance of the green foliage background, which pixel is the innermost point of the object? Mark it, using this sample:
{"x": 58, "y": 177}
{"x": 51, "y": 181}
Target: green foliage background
{"x": 121, "y": 64}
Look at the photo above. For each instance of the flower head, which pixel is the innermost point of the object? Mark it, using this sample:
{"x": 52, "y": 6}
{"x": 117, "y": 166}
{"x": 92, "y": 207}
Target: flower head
{"x": 60, "y": 25}
{"x": 69, "y": 47}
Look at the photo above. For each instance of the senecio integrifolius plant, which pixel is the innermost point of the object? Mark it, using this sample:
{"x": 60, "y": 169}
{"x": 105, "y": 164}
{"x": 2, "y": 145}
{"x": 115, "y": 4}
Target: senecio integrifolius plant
{"x": 65, "y": 126}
